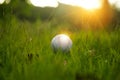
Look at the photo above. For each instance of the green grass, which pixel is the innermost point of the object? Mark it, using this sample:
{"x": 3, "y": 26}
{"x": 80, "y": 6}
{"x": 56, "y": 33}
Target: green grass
{"x": 95, "y": 55}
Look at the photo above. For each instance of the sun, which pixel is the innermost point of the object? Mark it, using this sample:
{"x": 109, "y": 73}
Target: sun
{"x": 86, "y": 4}
{"x": 89, "y": 5}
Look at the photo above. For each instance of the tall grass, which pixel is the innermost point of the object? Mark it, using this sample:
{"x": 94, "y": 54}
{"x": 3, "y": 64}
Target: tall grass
{"x": 26, "y": 53}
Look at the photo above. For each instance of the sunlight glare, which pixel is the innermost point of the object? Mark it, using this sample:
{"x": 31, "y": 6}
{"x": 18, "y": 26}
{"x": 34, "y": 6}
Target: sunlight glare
{"x": 116, "y": 3}
{"x": 44, "y": 3}
{"x": 86, "y": 4}
{"x": 112, "y": 2}
{"x": 2, "y": 1}
{"x": 64, "y": 39}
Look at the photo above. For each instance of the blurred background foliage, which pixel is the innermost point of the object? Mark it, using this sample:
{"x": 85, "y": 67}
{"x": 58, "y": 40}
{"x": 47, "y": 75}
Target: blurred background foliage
{"x": 76, "y": 16}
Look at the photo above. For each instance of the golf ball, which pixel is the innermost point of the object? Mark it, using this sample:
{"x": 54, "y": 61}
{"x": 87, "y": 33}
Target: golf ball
{"x": 61, "y": 42}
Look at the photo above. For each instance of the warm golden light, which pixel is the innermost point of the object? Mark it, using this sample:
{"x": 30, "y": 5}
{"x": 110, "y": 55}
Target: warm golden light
{"x": 86, "y": 4}
{"x": 93, "y": 4}
{"x": 44, "y": 3}
{"x": 64, "y": 39}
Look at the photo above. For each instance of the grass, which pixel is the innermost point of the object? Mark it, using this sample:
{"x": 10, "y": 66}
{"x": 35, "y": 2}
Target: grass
{"x": 26, "y": 54}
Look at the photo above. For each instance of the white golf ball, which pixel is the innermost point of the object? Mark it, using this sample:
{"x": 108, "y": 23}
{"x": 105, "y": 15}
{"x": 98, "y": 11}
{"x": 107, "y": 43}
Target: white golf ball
{"x": 61, "y": 42}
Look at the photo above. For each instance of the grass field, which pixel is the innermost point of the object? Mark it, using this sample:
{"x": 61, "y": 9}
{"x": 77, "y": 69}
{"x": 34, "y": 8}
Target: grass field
{"x": 26, "y": 54}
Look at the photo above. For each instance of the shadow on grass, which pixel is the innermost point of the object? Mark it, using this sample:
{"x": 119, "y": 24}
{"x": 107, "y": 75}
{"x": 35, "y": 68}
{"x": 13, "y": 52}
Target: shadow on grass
{"x": 86, "y": 77}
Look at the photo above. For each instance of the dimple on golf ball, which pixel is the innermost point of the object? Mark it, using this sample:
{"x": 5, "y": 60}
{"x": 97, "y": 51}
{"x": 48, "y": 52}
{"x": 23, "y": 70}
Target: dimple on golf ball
{"x": 61, "y": 42}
